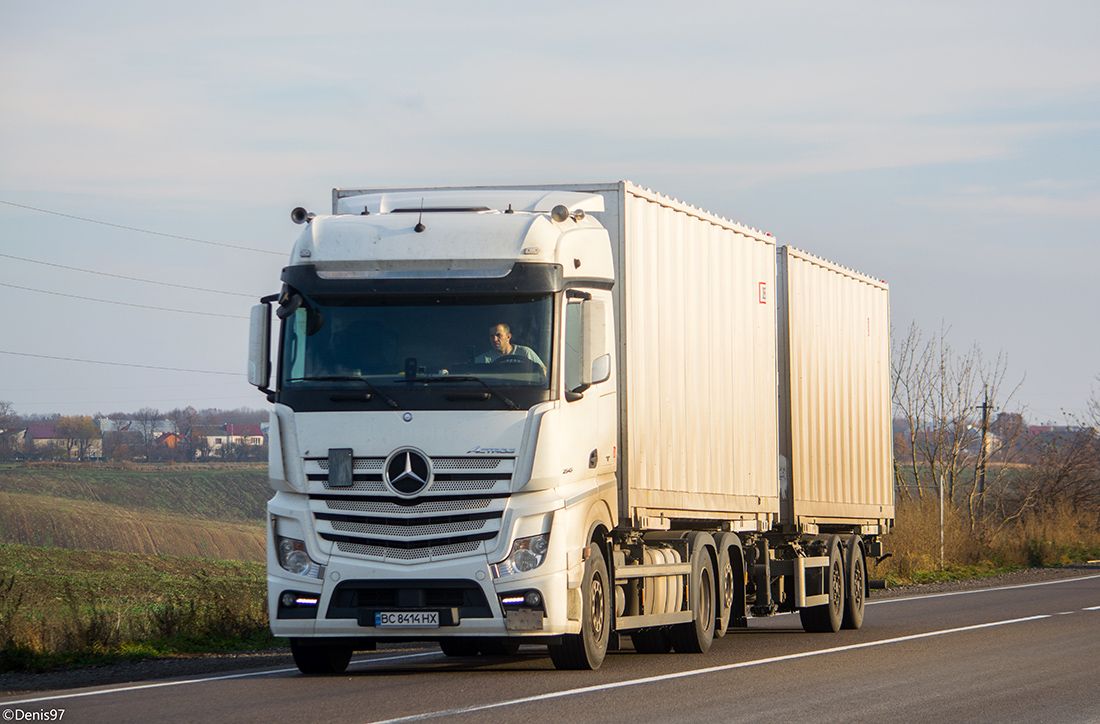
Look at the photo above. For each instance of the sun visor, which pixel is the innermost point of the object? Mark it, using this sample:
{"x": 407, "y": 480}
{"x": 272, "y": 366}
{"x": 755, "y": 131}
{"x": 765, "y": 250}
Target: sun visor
{"x": 467, "y": 200}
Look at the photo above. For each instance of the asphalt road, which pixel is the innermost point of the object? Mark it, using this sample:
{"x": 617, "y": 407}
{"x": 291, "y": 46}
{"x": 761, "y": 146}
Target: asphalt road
{"x": 1026, "y": 653}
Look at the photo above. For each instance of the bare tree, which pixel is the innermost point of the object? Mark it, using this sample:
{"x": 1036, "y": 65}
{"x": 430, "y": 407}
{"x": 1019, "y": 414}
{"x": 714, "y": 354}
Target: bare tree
{"x": 186, "y": 422}
{"x": 8, "y": 419}
{"x": 938, "y": 392}
{"x": 147, "y": 418}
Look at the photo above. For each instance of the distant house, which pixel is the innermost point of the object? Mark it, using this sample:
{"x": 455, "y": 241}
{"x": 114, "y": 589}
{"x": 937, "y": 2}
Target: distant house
{"x": 143, "y": 431}
{"x": 169, "y": 440}
{"x": 973, "y": 441}
{"x": 251, "y": 434}
{"x": 41, "y": 439}
{"x": 12, "y": 441}
{"x": 219, "y": 437}
{"x": 1060, "y": 434}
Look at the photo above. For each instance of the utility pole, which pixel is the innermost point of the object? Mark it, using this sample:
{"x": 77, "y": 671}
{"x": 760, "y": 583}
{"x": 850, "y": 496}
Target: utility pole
{"x": 985, "y": 408}
{"x": 942, "y": 541}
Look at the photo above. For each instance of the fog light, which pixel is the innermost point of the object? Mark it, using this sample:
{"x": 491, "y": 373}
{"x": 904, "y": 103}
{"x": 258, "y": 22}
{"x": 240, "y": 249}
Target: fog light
{"x": 533, "y": 599}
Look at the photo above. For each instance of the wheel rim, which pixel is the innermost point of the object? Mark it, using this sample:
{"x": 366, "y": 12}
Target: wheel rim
{"x": 728, "y": 587}
{"x": 598, "y": 603}
{"x": 706, "y": 600}
{"x": 858, "y": 584}
{"x": 836, "y": 599}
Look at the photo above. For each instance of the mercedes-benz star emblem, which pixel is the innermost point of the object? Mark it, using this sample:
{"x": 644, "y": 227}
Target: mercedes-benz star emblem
{"x": 408, "y": 472}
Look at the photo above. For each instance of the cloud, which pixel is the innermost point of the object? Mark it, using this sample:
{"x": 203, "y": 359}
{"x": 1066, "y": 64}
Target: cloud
{"x": 1016, "y": 202}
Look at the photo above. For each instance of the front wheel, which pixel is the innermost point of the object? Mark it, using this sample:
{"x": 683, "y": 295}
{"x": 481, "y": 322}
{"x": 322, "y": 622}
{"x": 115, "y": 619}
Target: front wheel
{"x": 324, "y": 659}
{"x": 587, "y": 649}
{"x": 459, "y": 647}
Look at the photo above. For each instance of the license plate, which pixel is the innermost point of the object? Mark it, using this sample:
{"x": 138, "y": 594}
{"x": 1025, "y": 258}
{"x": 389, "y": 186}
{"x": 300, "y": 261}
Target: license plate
{"x": 407, "y": 619}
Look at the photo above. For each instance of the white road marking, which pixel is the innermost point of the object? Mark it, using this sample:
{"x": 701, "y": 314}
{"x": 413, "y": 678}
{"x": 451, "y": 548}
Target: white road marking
{"x": 980, "y": 590}
{"x": 696, "y": 672}
{"x": 201, "y": 680}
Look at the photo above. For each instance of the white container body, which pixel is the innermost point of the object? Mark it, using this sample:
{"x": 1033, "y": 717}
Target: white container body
{"x": 834, "y": 403}
{"x": 697, "y": 368}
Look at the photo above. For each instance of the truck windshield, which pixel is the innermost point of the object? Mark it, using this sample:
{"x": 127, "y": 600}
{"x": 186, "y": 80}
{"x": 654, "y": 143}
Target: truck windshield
{"x": 397, "y": 342}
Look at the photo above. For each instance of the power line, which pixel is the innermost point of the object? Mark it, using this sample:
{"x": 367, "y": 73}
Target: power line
{"x": 124, "y": 304}
{"x": 120, "y": 276}
{"x": 120, "y": 364}
{"x": 143, "y": 231}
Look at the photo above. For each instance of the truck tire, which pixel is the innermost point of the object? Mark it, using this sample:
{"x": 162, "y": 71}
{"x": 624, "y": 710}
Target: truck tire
{"x": 726, "y": 585}
{"x": 828, "y": 617}
{"x": 459, "y": 647}
{"x": 325, "y": 659}
{"x": 695, "y": 637}
{"x": 498, "y": 647}
{"x": 856, "y": 584}
{"x": 587, "y": 649}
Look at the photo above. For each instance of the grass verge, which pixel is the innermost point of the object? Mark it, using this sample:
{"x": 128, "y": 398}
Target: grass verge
{"x": 923, "y": 551}
{"x": 61, "y": 608}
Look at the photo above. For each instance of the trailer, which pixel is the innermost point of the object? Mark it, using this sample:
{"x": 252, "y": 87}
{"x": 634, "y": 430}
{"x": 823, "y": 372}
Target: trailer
{"x": 565, "y": 415}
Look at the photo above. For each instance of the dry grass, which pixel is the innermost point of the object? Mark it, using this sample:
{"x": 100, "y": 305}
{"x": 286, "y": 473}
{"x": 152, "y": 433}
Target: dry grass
{"x": 39, "y": 520}
{"x": 1054, "y": 538}
{"x": 61, "y": 607}
{"x": 206, "y": 511}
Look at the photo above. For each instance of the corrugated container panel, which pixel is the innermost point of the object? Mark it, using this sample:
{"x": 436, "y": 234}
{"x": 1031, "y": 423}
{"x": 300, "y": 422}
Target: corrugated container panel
{"x": 835, "y": 423}
{"x": 698, "y": 366}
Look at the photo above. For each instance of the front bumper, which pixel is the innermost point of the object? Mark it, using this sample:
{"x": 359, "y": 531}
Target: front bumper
{"x": 462, "y": 592}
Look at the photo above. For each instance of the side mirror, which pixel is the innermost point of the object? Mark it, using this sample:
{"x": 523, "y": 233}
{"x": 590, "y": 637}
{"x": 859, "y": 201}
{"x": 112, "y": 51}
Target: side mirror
{"x": 259, "y": 347}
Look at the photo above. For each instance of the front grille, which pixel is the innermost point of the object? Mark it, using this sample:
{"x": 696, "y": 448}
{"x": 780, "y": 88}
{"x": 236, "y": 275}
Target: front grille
{"x": 438, "y": 529}
{"x": 361, "y": 599}
{"x": 421, "y": 555}
{"x": 432, "y": 506}
{"x": 459, "y": 513}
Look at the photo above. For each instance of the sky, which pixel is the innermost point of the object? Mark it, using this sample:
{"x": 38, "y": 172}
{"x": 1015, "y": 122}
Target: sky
{"x": 952, "y": 149}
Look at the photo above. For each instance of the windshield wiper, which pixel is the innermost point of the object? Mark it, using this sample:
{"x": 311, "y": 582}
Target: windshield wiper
{"x": 349, "y": 378}
{"x": 471, "y": 378}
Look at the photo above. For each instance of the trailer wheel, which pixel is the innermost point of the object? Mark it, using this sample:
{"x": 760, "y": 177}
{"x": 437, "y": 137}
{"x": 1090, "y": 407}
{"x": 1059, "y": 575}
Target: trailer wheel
{"x": 326, "y": 659}
{"x": 856, "y": 569}
{"x": 651, "y": 640}
{"x": 695, "y": 637}
{"x": 587, "y": 649}
{"x": 828, "y": 617}
{"x": 725, "y": 589}
{"x": 459, "y": 647}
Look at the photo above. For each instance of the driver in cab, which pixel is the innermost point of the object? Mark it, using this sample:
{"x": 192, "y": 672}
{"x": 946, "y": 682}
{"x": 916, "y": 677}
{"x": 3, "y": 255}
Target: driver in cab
{"x": 500, "y": 336}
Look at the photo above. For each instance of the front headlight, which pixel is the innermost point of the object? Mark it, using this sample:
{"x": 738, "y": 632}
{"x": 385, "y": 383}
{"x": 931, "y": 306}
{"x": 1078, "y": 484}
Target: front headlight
{"x": 527, "y": 555}
{"x": 294, "y": 558}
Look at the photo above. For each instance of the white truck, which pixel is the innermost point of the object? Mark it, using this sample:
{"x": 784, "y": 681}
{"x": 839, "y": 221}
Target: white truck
{"x": 564, "y": 415}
